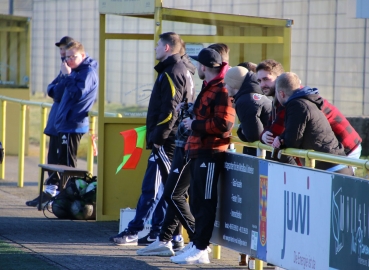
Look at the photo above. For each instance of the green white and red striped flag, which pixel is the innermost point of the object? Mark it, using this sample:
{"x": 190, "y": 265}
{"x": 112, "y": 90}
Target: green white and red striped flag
{"x": 133, "y": 145}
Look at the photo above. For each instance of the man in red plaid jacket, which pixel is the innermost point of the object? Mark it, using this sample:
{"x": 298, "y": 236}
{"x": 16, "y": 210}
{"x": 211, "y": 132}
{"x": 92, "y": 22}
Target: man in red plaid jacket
{"x": 205, "y": 147}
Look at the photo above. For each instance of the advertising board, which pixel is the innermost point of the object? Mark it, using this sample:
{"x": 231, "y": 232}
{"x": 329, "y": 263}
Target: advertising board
{"x": 237, "y": 221}
{"x": 298, "y": 217}
{"x": 349, "y": 233}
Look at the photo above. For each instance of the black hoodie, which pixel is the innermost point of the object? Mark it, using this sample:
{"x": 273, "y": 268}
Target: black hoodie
{"x": 252, "y": 108}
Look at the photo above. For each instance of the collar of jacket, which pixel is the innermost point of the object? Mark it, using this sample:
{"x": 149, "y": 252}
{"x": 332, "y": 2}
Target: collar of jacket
{"x": 249, "y": 85}
{"x": 171, "y": 60}
{"x": 86, "y": 63}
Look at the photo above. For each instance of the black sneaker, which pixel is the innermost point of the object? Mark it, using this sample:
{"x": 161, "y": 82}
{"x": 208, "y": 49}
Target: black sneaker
{"x": 127, "y": 238}
{"x": 148, "y": 239}
{"x": 119, "y": 235}
{"x": 45, "y": 198}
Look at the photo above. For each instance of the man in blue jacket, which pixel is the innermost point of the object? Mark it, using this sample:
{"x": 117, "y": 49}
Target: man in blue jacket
{"x": 80, "y": 90}
{"x": 80, "y": 81}
{"x": 55, "y": 90}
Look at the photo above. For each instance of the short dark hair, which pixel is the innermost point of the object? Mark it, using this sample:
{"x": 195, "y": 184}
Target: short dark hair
{"x": 173, "y": 40}
{"x": 75, "y": 45}
{"x": 249, "y": 65}
{"x": 222, "y": 49}
{"x": 271, "y": 66}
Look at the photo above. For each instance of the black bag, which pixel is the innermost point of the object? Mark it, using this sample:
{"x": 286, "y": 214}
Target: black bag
{"x": 77, "y": 200}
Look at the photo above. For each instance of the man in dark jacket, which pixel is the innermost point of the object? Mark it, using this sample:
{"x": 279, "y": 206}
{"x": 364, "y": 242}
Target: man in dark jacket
{"x": 171, "y": 87}
{"x": 252, "y": 107}
{"x": 306, "y": 127}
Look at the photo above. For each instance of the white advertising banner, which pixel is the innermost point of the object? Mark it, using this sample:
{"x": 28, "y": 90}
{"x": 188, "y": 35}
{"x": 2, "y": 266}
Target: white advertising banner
{"x": 298, "y": 217}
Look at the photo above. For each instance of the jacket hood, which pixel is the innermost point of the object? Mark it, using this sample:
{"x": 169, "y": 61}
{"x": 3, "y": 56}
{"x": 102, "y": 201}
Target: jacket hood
{"x": 187, "y": 62}
{"x": 311, "y": 94}
{"x": 249, "y": 85}
{"x": 88, "y": 62}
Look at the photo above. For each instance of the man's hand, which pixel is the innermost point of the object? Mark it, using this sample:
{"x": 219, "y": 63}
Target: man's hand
{"x": 65, "y": 69}
{"x": 179, "y": 106}
{"x": 267, "y": 137}
{"x": 277, "y": 142}
{"x": 187, "y": 123}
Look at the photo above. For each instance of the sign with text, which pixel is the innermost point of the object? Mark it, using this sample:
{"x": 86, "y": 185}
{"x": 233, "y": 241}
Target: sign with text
{"x": 349, "y": 233}
{"x": 237, "y": 220}
{"x": 299, "y": 207}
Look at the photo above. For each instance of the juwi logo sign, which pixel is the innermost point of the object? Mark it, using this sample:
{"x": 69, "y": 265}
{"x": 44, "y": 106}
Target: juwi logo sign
{"x": 296, "y": 216}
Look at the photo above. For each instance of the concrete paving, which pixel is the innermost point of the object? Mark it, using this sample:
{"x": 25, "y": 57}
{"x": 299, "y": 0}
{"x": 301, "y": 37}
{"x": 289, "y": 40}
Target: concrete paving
{"x": 70, "y": 244}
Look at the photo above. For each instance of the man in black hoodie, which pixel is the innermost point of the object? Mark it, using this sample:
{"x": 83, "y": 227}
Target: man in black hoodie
{"x": 306, "y": 127}
{"x": 252, "y": 107}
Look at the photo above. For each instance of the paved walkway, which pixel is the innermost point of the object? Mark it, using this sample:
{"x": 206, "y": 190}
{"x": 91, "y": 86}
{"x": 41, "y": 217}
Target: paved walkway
{"x": 68, "y": 244}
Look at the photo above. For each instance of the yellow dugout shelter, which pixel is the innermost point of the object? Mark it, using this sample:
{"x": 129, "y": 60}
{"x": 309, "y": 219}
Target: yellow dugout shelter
{"x": 249, "y": 38}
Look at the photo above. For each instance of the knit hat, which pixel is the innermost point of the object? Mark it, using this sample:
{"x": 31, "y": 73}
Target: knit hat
{"x": 235, "y": 77}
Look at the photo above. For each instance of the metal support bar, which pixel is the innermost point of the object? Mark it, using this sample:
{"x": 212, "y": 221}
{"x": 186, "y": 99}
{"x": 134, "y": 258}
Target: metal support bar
{"x": 42, "y": 138}
{"x": 2, "y": 135}
{"x": 22, "y": 131}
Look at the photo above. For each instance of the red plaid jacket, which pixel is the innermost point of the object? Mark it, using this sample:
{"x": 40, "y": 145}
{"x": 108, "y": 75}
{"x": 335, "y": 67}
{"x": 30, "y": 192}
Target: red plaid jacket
{"x": 215, "y": 117}
{"x": 341, "y": 127}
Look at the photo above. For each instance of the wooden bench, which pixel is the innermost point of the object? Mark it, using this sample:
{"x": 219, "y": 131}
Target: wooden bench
{"x": 64, "y": 173}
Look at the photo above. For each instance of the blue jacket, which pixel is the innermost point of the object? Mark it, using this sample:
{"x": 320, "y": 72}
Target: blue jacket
{"x": 79, "y": 95}
{"x": 55, "y": 90}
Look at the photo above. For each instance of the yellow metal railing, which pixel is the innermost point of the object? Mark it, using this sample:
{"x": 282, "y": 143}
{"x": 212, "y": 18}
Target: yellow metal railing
{"x": 310, "y": 156}
{"x": 22, "y": 126}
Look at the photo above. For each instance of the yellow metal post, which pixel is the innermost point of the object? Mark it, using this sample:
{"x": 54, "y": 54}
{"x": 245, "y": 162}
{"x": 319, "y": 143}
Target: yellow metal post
{"x": 158, "y": 18}
{"x": 101, "y": 124}
{"x": 2, "y": 135}
{"x": 310, "y": 163}
{"x": 258, "y": 264}
{"x": 42, "y": 140}
{"x": 22, "y": 131}
{"x": 90, "y": 152}
{"x": 217, "y": 251}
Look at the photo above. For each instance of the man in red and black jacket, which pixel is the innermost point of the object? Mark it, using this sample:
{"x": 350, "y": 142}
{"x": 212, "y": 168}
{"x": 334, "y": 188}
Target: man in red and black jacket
{"x": 206, "y": 146}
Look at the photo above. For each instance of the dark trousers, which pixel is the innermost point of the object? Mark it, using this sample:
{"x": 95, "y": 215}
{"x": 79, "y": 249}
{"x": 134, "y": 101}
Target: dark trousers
{"x": 175, "y": 194}
{"x": 156, "y": 173}
{"x": 163, "y": 157}
{"x": 52, "y": 154}
{"x": 203, "y": 195}
{"x": 149, "y": 200}
{"x": 68, "y": 146}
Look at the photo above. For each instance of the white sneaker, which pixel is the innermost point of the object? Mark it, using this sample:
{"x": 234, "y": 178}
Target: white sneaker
{"x": 185, "y": 249}
{"x": 195, "y": 256}
{"x": 188, "y": 247}
{"x": 157, "y": 248}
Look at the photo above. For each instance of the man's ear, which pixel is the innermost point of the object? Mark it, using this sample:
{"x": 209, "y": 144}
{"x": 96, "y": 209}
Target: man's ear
{"x": 83, "y": 55}
{"x": 167, "y": 47}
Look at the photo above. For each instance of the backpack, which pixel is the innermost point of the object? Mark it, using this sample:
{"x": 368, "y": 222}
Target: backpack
{"x": 76, "y": 201}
